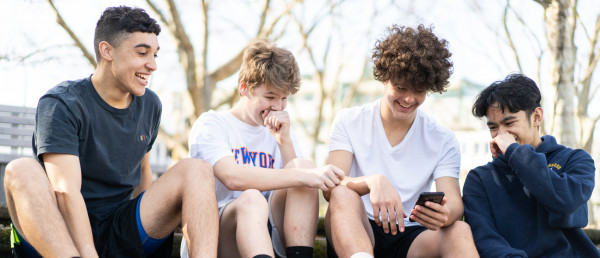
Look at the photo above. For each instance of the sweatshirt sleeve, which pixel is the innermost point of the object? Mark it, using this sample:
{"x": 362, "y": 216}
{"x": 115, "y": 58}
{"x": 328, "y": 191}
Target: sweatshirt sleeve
{"x": 478, "y": 214}
{"x": 563, "y": 194}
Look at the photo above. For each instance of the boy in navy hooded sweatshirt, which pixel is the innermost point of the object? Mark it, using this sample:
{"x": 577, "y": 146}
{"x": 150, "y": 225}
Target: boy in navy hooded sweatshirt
{"x": 531, "y": 200}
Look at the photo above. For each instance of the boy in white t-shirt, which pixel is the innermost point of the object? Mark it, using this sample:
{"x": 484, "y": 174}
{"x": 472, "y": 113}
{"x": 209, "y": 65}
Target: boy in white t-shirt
{"x": 391, "y": 152}
{"x": 264, "y": 209}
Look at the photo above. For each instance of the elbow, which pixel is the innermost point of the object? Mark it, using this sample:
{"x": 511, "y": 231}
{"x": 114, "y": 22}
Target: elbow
{"x": 234, "y": 183}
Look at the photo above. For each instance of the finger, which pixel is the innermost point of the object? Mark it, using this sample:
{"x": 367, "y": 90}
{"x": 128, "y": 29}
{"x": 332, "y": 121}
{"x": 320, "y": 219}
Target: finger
{"x": 385, "y": 221}
{"x": 323, "y": 187}
{"x": 401, "y": 221}
{"x": 338, "y": 172}
{"x": 393, "y": 221}
{"x": 333, "y": 177}
{"x": 376, "y": 215}
{"x": 328, "y": 181}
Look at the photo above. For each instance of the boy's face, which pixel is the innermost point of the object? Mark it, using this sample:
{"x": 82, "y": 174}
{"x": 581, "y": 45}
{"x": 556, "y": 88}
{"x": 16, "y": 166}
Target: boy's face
{"x": 524, "y": 129}
{"x": 403, "y": 100}
{"x": 133, "y": 61}
{"x": 262, "y": 100}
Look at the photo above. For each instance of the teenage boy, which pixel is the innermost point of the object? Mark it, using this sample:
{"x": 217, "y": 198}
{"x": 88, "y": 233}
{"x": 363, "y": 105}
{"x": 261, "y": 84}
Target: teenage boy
{"x": 267, "y": 197}
{"x": 531, "y": 199}
{"x": 391, "y": 151}
{"x": 90, "y": 191}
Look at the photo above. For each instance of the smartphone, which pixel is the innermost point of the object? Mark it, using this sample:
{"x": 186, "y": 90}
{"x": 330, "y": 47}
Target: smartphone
{"x": 429, "y": 196}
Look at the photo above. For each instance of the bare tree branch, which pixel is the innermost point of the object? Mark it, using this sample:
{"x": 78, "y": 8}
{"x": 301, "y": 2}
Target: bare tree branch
{"x": 78, "y": 43}
{"x": 509, "y": 38}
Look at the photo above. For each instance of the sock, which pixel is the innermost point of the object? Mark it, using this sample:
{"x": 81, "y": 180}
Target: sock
{"x": 361, "y": 255}
{"x": 299, "y": 251}
{"x": 262, "y": 256}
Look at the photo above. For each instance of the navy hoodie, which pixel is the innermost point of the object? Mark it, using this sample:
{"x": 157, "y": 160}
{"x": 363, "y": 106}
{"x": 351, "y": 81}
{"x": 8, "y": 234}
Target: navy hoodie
{"x": 531, "y": 202}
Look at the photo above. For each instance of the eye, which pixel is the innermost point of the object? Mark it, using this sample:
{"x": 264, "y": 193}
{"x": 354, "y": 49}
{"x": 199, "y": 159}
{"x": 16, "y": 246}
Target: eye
{"x": 142, "y": 53}
{"x": 492, "y": 128}
{"x": 269, "y": 98}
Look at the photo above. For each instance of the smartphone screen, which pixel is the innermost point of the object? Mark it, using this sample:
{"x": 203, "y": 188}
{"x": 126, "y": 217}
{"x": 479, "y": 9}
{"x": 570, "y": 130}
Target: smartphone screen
{"x": 429, "y": 196}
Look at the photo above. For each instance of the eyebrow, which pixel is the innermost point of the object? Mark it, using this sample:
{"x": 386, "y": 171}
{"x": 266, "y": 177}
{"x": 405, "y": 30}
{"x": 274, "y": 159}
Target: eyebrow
{"x": 144, "y": 45}
{"x": 511, "y": 117}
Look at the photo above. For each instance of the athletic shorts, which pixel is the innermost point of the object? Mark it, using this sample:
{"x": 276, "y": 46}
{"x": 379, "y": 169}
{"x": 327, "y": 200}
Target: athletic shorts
{"x": 115, "y": 234}
{"x": 273, "y": 232}
{"x": 388, "y": 245}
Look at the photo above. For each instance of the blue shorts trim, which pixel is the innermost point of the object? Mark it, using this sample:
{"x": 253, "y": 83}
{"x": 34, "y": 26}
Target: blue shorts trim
{"x": 149, "y": 244}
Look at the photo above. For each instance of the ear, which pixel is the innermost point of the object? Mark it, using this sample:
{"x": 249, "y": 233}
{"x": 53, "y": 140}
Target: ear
{"x": 106, "y": 50}
{"x": 242, "y": 89}
{"x": 537, "y": 116}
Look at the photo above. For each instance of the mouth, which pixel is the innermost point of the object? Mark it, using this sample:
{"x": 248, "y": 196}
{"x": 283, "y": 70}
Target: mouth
{"x": 405, "y": 106}
{"x": 142, "y": 77}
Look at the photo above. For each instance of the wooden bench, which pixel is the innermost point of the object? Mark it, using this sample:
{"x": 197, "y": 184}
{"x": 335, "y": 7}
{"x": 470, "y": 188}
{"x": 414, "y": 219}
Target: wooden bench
{"x": 16, "y": 130}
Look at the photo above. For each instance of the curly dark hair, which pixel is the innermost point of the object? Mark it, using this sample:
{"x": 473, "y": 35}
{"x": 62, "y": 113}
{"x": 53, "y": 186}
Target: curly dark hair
{"x": 415, "y": 56}
{"x": 516, "y": 92}
{"x": 116, "y": 23}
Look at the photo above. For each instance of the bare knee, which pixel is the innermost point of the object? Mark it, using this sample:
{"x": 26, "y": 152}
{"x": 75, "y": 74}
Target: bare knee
{"x": 342, "y": 194}
{"x": 458, "y": 229}
{"x": 252, "y": 203}
{"x": 195, "y": 171}
{"x": 24, "y": 172}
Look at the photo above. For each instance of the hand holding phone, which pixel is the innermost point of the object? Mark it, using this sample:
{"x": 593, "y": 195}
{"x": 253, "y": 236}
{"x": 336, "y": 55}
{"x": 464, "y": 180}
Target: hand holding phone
{"x": 435, "y": 197}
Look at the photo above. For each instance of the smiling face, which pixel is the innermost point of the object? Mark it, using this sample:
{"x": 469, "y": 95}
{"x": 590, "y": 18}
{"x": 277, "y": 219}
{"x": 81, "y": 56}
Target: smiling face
{"x": 400, "y": 102}
{"x": 524, "y": 128}
{"x": 258, "y": 102}
{"x": 133, "y": 61}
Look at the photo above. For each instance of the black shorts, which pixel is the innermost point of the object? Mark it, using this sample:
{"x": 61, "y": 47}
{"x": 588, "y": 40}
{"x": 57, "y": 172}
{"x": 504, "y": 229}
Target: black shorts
{"x": 115, "y": 232}
{"x": 388, "y": 245}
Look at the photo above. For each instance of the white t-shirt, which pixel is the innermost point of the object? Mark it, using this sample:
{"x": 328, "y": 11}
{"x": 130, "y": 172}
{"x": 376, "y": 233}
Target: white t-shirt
{"x": 427, "y": 152}
{"x": 216, "y": 135}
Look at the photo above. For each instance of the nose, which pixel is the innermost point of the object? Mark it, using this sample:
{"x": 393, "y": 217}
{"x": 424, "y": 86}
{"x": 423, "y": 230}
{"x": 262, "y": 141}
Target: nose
{"x": 152, "y": 64}
{"x": 277, "y": 105}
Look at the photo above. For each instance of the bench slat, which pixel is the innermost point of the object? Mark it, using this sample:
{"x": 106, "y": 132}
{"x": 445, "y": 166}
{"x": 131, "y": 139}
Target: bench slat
{"x": 16, "y": 131}
{"x": 16, "y": 142}
{"x": 14, "y": 109}
{"x": 17, "y": 120}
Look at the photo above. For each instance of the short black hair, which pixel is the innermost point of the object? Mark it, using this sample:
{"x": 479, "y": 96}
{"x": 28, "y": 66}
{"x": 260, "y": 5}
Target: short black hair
{"x": 116, "y": 23}
{"x": 516, "y": 92}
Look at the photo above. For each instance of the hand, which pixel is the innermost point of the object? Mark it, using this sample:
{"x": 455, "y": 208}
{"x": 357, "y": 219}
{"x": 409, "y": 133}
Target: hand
{"x": 387, "y": 203}
{"x": 278, "y": 123}
{"x": 325, "y": 177}
{"x": 500, "y": 143}
{"x": 433, "y": 216}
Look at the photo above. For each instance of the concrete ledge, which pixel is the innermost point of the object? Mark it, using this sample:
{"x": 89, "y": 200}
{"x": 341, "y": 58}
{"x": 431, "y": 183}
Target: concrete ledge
{"x": 5, "y": 251}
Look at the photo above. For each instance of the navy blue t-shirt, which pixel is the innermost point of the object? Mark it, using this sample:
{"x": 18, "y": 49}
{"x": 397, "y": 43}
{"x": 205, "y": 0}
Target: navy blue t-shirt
{"x": 73, "y": 119}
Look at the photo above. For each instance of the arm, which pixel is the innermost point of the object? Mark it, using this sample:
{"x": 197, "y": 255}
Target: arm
{"x": 384, "y": 197}
{"x": 563, "y": 195}
{"x": 278, "y": 123}
{"x": 239, "y": 178}
{"x": 64, "y": 174}
{"x": 436, "y": 216}
{"x": 146, "y": 179}
{"x": 479, "y": 216}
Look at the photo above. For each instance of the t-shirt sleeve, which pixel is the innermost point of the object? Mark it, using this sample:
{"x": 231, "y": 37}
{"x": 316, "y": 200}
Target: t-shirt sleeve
{"x": 56, "y": 129}
{"x": 208, "y": 139}
{"x": 339, "y": 138}
{"x": 156, "y": 125}
{"x": 449, "y": 163}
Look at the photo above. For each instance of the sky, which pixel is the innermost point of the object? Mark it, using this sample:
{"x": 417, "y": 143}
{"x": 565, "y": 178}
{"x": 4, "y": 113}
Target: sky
{"x": 472, "y": 28}
{"x": 31, "y": 30}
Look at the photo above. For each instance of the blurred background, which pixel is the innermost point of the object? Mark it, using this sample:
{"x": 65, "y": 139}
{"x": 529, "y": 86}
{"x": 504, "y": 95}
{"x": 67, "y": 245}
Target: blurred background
{"x": 554, "y": 42}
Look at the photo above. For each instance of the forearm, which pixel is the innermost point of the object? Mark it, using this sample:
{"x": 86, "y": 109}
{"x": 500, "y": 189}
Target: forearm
{"x": 262, "y": 179}
{"x": 73, "y": 209}
{"x": 362, "y": 185}
{"x": 288, "y": 153}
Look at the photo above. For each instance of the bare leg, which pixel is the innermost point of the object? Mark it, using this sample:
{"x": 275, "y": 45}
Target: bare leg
{"x": 186, "y": 194}
{"x": 455, "y": 240}
{"x": 243, "y": 227}
{"x": 28, "y": 195}
{"x": 346, "y": 223}
{"x": 295, "y": 211}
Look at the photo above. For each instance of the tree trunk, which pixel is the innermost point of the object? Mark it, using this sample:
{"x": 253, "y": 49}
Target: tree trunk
{"x": 559, "y": 17}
